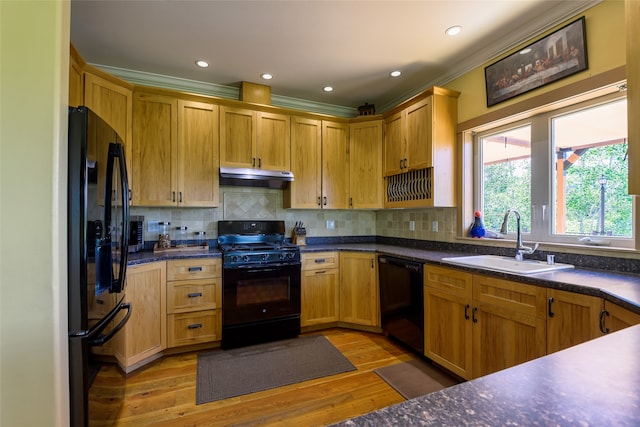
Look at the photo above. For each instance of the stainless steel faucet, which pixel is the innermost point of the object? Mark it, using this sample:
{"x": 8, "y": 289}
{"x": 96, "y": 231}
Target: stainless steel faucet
{"x": 521, "y": 250}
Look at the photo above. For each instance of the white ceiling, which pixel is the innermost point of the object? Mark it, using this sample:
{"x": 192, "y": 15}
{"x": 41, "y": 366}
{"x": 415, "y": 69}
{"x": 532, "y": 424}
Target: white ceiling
{"x": 306, "y": 45}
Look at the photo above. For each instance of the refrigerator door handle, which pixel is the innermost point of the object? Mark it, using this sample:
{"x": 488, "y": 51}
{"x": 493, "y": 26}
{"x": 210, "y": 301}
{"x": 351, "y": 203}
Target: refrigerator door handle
{"x": 103, "y": 338}
{"x": 116, "y": 152}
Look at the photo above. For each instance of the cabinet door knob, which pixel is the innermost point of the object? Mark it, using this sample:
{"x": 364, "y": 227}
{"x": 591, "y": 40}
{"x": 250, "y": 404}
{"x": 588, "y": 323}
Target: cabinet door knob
{"x": 475, "y": 310}
{"x": 549, "y": 303}
{"x": 466, "y": 312}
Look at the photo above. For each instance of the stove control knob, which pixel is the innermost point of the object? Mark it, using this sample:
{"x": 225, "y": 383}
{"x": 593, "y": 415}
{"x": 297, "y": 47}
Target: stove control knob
{"x": 234, "y": 258}
{"x": 245, "y": 258}
{"x": 264, "y": 257}
{"x": 281, "y": 256}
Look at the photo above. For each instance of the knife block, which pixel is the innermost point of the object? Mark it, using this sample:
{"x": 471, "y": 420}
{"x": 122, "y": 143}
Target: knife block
{"x": 299, "y": 236}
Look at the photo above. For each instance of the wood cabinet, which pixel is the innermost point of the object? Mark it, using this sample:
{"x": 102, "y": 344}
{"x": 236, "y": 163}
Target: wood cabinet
{"x": 419, "y": 151}
{"x": 448, "y": 335}
{"x": 76, "y": 79}
{"x": 305, "y": 191}
{"x": 615, "y": 318}
{"x": 320, "y": 165}
{"x": 144, "y": 336}
{"x": 254, "y": 139}
{"x": 359, "y": 291}
{"x": 365, "y": 165}
{"x": 194, "y": 301}
{"x": 476, "y": 325}
{"x": 632, "y": 20}
{"x": 320, "y": 293}
{"x": 571, "y": 319}
{"x": 509, "y": 324}
{"x": 175, "y": 147}
{"x": 335, "y": 165}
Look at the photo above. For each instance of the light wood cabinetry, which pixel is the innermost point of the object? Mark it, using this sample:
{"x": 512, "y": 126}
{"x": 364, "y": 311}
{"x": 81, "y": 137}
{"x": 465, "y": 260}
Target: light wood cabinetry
{"x": 615, "y": 318}
{"x": 335, "y": 165}
{"x": 320, "y": 165}
{"x": 632, "y": 19}
{"x": 320, "y": 293}
{"x": 76, "y": 79}
{"x": 194, "y": 301}
{"x": 145, "y": 334}
{"x": 359, "y": 291}
{"x": 254, "y": 139}
{"x": 365, "y": 165}
{"x": 476, "y": 325}
{"x": 509, "y": 324}
{"x": 571, "y": 319}
{"x": 448, "y": 335}
{"x": 175, "y": 159}
{"x": 419, "y": 151}
{"x": 305, "y": 191}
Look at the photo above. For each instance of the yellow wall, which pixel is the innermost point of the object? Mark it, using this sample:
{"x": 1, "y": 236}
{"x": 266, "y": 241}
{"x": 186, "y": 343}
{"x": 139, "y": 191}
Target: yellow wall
{"x": 606, "y": 51}
{"x": 34, "y": 52}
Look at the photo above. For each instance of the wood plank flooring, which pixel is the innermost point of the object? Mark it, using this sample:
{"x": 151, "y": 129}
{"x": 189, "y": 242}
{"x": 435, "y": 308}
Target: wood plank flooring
{"x": 164, "y": 393}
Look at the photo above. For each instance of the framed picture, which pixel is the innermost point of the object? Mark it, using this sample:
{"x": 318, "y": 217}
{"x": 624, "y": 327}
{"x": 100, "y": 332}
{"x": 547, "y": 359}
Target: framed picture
{"x": 558, "y": 55}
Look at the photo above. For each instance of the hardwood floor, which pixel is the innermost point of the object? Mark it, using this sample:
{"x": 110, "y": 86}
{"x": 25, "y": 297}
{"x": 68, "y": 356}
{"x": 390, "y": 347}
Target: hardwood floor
{"x": 164, "y": 393}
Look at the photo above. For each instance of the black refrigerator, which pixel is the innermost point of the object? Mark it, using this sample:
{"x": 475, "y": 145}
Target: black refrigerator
{"x": 98, "y": 233}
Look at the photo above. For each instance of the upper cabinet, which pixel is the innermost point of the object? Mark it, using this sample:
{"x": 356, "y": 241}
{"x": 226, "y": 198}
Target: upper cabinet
{"x": 632, "y": 17}
{"x": 305, "y": 191}
{"x": 175, "y": 146}
{"x": 76, "y": 79}
{"x": 365, "y": 165}
{"x": 335, "y": 165}
{"x": 254, "y": 139}
{"x": 419, "y": 151}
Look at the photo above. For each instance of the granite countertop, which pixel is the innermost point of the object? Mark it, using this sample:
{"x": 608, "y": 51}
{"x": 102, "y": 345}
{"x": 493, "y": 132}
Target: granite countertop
{"x": 592, "y": 384}
{"x": 620, "y": 288}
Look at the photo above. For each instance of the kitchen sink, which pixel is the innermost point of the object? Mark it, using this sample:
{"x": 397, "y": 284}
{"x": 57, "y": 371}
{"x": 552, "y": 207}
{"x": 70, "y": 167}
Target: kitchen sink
{"x": 507, "y": 264}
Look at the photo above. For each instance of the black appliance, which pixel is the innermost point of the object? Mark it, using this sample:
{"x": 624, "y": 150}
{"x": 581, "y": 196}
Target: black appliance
{"x": 401, "y": 300}
{"x": 98, "y": 234}
{"x": 260, "y": 283}
{"x": 136, "y": 233}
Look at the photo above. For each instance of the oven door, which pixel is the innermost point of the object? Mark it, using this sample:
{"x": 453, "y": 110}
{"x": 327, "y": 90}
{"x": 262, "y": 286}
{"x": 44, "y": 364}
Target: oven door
{"x": 260, "y": 293}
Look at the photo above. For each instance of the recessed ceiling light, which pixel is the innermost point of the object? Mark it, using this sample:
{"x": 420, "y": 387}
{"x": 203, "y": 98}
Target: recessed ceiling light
{"x": 266, "y": 76}
{"x": 202, "y": 63}
{"x": 327, "y": 89}
{"x": 395, "y": 73}
{"x": 452, "y": 31}
{"x": 525, "y": 51}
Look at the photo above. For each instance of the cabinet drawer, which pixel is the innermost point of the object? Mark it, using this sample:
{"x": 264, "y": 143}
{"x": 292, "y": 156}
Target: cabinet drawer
{"x": 320, "y": 260}
{"x": 194, "y": 328}
{"x": 192, "y": 295}
{"x": 199, "y": 268}
{"x": 448, "y": 280}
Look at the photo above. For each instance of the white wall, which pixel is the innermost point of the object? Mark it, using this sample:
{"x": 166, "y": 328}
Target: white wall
{"x": 34, "y": 52}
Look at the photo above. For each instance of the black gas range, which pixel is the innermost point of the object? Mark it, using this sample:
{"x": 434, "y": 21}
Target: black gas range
{"x": 260, "y": 283}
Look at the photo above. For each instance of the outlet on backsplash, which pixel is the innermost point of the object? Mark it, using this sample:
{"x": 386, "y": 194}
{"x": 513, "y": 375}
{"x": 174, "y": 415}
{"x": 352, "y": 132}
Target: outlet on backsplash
{"x": 412, "y": 225}
{"x": 434, "y": 226}
{"x": 331, "y": 225}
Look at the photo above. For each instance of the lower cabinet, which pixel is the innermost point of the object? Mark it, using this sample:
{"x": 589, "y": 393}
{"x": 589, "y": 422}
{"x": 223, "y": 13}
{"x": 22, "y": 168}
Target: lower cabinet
{"x": 320, "y": 293}
{"x": 615, "y": 318}
{"x": 194, "y": 301}
{"x": 359, "y": 291}
{"x": 476, "y": 325}
{"x": 571, "y": 319}
{"x": 145, "y": 334}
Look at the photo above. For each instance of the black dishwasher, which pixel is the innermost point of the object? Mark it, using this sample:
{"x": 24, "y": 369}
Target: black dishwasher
{"x": 401, "y": 300}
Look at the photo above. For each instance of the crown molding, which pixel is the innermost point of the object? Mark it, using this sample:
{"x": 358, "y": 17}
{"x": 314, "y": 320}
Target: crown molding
{"x": 221, "y": 91}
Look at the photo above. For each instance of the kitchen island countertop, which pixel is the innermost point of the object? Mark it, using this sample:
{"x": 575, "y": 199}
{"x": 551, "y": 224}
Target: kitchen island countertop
{"x": 592, "y": 384}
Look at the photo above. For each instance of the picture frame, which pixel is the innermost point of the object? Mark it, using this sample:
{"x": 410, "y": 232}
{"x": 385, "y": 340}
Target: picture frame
{"x": 553, "y": 57}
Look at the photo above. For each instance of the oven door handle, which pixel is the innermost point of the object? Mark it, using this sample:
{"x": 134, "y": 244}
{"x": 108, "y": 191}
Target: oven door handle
{"x": 261, "y": 270}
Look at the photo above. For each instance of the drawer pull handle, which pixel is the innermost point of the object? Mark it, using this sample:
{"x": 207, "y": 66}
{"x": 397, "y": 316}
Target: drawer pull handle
{"x": 321, "y": 271}
{"x": 320, "y": 261}
{"x": 192, "y": 269}
{"x": 194, "y": 294}
{"x": 195, "y": 326}
{"x": 99, "y": 301}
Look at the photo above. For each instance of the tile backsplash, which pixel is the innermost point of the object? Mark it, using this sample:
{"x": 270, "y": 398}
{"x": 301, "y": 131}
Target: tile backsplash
{"x": 244, "y": 203}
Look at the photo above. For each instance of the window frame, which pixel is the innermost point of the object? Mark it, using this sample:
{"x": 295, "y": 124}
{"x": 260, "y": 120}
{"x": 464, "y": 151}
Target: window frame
{"x": 542, "y": 193}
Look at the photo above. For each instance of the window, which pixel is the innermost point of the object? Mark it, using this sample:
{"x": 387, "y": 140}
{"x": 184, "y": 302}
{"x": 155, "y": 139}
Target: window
{"x": 564, "y": 171}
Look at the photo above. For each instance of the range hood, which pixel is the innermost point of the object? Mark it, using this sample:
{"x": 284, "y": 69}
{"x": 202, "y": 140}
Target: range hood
{"x": 249, "y": 177}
